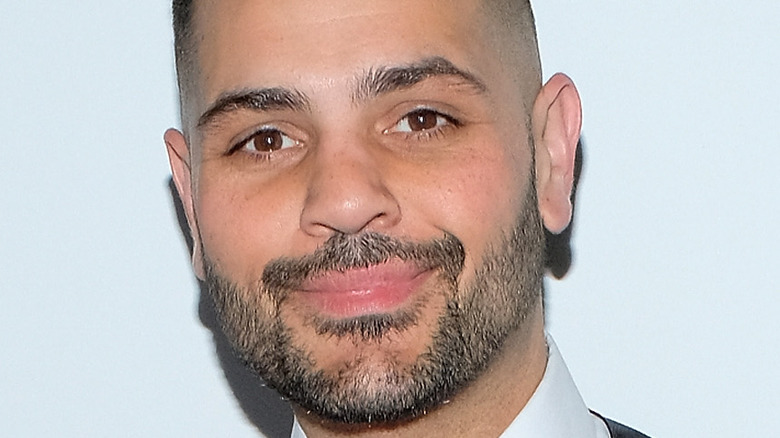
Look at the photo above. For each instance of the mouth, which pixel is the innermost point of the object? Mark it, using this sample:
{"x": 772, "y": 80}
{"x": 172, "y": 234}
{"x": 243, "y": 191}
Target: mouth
{"x": 376, "y": 289}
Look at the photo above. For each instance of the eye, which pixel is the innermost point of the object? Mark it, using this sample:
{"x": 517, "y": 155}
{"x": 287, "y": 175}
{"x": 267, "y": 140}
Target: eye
{"x": 266, "y": 140}
{"x": 422, "y": 120}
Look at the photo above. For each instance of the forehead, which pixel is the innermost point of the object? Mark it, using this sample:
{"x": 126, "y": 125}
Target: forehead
{"x": 288, "y": 42}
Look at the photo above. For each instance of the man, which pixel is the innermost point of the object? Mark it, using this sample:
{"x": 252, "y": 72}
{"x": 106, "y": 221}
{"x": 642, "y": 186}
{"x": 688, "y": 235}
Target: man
{"x": 367, "y": 184}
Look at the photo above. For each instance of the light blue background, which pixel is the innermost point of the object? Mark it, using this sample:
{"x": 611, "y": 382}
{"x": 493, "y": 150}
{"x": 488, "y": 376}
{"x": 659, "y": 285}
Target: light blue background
{"x": 668, "y": 320}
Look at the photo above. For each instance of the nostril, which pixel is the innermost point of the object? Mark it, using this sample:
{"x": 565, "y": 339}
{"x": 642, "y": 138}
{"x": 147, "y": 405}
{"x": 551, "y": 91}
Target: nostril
{"x": 328, "y": 210}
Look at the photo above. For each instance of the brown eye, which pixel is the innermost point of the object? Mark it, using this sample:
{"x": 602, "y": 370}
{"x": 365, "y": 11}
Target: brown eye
{"x": 268, "y": 140}
{"x": 423, "y": 120}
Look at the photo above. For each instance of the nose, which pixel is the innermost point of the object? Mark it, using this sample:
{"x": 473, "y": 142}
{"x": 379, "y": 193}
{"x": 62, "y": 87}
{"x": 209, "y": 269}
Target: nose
{"x": 346, "y": 194}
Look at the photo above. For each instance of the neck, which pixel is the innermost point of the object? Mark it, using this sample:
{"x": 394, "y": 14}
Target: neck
{"x": 485, "y": 408}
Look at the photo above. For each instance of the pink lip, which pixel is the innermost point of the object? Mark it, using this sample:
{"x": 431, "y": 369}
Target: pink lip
{"x": 356, "y": 292}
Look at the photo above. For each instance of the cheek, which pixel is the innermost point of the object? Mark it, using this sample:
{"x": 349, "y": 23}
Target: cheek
{"x": 477, "y": 195}
{"x": 244, "y": 223}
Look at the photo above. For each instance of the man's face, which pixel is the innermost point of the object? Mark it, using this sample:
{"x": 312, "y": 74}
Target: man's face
{"x": 362, "y": 192}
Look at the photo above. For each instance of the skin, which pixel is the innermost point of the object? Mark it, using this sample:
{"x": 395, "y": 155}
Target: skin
{"x": 352, "y": 168}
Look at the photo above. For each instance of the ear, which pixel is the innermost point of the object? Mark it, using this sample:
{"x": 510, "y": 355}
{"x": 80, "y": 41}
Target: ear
{"x": 557, "y": 119}
{"x": 179, "y": 158}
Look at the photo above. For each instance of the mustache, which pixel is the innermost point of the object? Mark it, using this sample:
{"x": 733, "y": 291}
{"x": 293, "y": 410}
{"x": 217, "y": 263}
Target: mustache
{"x": 342, "y": 252}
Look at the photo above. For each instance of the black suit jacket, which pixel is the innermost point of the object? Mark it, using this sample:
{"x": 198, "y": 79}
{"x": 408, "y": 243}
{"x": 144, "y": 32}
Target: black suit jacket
{"x": 617, "y": 430}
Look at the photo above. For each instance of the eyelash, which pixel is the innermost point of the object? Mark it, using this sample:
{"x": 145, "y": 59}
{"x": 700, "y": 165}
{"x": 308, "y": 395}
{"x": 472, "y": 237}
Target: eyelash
{"x": 257, "y": 154}
{"x": 426, "y": 134}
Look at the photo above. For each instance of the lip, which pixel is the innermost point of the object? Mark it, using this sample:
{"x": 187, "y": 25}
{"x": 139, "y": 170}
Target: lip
{"x": 376, "y": 289}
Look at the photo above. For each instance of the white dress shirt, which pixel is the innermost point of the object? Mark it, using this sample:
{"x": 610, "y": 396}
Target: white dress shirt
{"x": 555, "y": 410}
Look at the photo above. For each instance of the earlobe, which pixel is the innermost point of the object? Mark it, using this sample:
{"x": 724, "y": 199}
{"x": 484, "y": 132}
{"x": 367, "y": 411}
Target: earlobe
{"x": 557, "y": 119}
{"x": 179, "y": 159}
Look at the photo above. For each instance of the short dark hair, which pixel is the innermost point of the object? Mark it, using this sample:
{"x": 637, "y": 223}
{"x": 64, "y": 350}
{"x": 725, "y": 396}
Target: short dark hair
{"x": 184, "y": 50}
{"x": 183, "y": 12}
{"x": 182, "y": 30}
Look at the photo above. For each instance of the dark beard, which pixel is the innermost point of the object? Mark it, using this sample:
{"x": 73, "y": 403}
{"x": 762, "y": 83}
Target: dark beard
{"x": 471, "y": 329}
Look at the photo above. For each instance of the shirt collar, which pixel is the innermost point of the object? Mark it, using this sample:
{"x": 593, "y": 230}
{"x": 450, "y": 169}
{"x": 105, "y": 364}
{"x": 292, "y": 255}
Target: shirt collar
{"x": 556, "y": 409}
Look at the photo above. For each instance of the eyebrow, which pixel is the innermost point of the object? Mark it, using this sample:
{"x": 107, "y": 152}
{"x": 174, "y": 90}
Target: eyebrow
{"x": 263, "y": 99}
{"x": 384, "y": 80}
{"x": 374, "y": 83}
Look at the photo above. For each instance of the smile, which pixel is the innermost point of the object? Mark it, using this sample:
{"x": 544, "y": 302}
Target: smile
{"x": 376, "y": 289}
